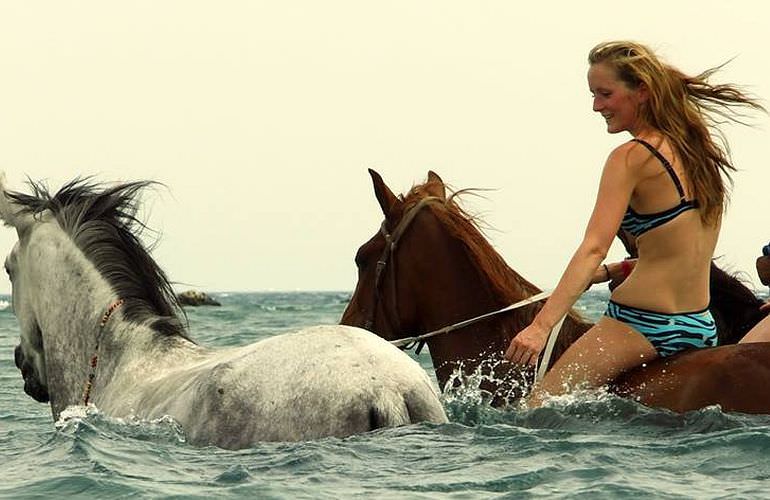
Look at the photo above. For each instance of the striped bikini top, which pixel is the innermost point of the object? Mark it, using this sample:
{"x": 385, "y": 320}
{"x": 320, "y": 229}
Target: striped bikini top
{"x": 638, "y": 224}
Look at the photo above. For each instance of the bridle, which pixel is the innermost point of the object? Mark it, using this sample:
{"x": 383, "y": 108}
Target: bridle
{"x": 391, "y": 244}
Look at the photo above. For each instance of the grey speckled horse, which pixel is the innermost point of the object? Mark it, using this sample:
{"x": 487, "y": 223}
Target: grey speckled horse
{"x": 100, "y": 325}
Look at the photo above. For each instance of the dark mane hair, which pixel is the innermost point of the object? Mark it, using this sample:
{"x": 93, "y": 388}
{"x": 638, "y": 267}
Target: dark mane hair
{"x": 734, "y": 306}
{"x": 102, "y": 222}
{"x": 505, "y": 283}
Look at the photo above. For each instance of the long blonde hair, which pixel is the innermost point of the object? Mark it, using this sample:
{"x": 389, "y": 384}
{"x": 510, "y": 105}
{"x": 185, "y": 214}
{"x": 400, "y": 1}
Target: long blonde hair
{"x": 688, "y": 111}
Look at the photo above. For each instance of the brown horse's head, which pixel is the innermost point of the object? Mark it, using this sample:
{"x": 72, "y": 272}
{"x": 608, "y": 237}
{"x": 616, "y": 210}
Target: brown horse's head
{"x": 430, "y": 266}
{"x": 385, "y": 297}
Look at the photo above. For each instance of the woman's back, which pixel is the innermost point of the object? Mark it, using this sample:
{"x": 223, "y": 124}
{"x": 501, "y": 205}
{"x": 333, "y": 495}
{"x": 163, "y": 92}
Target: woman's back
{"x": 675, "y": 246}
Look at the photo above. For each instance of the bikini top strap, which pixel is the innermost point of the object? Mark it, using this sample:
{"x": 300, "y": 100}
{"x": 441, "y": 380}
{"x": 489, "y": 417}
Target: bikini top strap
{"x": 665, "y": 163}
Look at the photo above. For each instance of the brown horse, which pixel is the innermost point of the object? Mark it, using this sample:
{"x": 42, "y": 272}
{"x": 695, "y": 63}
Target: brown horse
{"x": 430, "y": 266}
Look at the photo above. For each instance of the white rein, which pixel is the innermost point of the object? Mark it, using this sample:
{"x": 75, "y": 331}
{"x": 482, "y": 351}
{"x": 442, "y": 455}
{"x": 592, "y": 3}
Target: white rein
{"x": 543, "y": 363}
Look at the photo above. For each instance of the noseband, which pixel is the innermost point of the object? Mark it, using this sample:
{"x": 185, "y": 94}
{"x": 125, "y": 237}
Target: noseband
{"x": 391, "y": 243}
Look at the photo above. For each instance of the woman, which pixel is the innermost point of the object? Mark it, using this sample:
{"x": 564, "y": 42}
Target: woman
{"x": 666, "y": 186}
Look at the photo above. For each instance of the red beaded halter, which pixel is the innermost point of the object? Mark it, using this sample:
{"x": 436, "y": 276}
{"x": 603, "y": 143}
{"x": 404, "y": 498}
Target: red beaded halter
{"x": 95, "y": 358}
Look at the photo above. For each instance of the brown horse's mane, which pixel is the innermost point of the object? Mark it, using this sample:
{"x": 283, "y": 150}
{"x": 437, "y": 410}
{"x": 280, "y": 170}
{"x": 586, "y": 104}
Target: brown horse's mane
{"x": 505, "y": 283}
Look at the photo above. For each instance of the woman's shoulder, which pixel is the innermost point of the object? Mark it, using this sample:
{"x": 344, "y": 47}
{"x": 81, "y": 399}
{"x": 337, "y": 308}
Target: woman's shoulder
{"x": 630, "y": 154}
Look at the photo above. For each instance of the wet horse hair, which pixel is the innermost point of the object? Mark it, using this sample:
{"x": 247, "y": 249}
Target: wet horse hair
{"x": 103, "y": 223}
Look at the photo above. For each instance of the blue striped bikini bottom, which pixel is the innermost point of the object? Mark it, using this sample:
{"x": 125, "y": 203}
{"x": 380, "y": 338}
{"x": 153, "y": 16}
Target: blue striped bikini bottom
{"x": 668, "y": 333}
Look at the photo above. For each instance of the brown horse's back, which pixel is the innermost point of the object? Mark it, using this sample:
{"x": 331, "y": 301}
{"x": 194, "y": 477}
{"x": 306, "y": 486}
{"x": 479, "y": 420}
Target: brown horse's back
{"x": 735, "y": 377}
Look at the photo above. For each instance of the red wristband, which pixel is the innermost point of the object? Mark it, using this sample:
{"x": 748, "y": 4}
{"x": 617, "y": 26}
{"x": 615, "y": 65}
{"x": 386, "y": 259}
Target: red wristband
{"x": 625, "y": 267}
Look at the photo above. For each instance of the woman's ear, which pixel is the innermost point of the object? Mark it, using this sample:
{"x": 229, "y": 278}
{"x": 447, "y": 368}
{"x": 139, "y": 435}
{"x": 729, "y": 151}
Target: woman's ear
{"x": 643, "y": 92}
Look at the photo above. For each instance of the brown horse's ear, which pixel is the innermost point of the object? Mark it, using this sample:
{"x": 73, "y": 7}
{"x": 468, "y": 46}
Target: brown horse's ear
{"x": 384, "y": 195}
{"x": 435, "y": 186}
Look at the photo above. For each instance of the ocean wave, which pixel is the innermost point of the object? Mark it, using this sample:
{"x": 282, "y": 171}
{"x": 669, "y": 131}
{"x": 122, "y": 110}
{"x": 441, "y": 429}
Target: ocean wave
{"x": 78, "y": 419}
{"x": 590, "y": 443}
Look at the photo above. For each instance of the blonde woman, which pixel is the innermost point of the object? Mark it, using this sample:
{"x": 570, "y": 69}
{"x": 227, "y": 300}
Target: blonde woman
{"x": 667, "y": 187}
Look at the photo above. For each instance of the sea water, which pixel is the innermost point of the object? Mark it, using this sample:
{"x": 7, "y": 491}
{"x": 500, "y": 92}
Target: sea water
{"x": 594, "y": 445}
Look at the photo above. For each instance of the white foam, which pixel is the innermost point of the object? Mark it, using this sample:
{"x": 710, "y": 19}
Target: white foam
{"x": 75, "y": 413}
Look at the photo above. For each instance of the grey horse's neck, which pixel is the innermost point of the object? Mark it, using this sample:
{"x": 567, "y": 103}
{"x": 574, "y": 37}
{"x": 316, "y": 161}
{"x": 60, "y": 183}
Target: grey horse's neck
{"x": 73, "y": 297}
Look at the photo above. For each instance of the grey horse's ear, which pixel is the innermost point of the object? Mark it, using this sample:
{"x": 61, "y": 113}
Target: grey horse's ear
{"x": 384, "y": 195}
{"x": 10, "y": 212}
{"x": 435, "y": 185}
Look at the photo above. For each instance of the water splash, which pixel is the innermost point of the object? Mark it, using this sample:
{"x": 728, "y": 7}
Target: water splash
{"x": 78, "y": 418}
{"x": 71, "y": 417}
{"x": 468, "y": 402}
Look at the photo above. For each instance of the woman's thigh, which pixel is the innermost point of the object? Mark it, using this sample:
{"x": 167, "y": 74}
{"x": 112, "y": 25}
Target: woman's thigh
{"x": 609, "y": 348}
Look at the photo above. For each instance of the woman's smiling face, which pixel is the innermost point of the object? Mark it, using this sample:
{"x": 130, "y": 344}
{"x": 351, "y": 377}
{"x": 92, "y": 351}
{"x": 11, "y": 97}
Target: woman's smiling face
{"x": 617, "y": 103}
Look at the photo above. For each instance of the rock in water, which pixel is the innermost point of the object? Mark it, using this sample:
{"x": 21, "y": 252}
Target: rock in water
{"x": 196, "y": 298}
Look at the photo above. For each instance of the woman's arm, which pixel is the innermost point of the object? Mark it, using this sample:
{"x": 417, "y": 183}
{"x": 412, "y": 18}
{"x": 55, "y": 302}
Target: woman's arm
{"x": 615, "y": 271}
{"x": 615, "y": 188}
{"x": 601, "y": 275}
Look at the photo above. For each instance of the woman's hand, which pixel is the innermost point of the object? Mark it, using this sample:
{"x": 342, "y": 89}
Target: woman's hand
{"x": 527, "y": 345}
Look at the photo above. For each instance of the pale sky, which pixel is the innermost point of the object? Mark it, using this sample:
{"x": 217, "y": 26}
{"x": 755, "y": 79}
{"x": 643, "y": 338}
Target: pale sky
{"x": 262, "y": 117}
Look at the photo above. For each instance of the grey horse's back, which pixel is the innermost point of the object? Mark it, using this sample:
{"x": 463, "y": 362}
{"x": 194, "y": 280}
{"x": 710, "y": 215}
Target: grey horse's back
{"x": 420, "y": 404}
{"x": 404, "y": 393}
{"x": 322, "y": 381}
{"x": 357, "y": 380}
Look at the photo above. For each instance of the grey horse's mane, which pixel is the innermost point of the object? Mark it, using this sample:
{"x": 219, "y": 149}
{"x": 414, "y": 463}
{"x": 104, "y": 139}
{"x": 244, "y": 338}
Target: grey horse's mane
{"x": 102, "y": 221}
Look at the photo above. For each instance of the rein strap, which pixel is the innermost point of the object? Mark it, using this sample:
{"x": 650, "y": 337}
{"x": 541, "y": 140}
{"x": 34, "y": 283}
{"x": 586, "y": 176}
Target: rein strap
{"x": 540, "y": 367}
{"x": 462, "y": 324}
